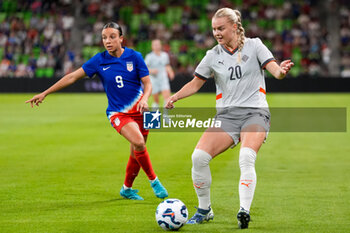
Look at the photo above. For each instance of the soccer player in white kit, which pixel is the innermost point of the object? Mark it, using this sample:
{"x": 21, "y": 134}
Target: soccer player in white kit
{"x": 160, "y": 69}
{"x": 237, "y": 65}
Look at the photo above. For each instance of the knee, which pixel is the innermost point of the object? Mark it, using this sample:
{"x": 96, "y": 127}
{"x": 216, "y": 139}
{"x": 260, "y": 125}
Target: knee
{"x": 247, "y": 157}
{"x": 139, "y": 144}
{"x": 200, "y": 158}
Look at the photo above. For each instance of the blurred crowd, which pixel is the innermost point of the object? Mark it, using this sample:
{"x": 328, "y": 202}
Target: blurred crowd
{"x": 39, "y": 38}
{"x": 34, "y": 39}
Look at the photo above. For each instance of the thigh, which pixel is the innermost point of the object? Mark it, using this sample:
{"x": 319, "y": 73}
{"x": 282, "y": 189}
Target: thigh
{"x": 231, "y": 126}
{"x": 139, "y": 120}
{"x": 255, "y": 130}
{"x": 253, "y": 136}
{"x": 214, "y": 141}
{"x": 132, "y": 133}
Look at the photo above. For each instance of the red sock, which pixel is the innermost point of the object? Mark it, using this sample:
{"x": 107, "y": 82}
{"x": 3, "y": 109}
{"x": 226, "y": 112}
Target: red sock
{"x": 143, "y": 158}
{"x": 132, "y": 170}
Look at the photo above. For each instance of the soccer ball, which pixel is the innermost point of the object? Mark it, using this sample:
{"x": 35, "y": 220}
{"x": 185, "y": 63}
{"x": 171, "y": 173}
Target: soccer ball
{"x": 171, "y": 214}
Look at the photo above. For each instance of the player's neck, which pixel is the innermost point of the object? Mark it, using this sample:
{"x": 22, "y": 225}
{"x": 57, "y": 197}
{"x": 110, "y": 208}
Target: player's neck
{"x": 231, "y": 45}
{"x": 117, "y": 53}
{"x": 157, "y": 52}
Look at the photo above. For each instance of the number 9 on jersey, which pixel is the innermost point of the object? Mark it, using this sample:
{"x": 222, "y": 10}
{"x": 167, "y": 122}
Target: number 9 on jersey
{"x": 119, "y": 80}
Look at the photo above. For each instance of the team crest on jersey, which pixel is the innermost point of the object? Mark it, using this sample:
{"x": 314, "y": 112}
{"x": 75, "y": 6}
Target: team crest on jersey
{"x": 129, "y": 66}
{"x": 245, "y": 58}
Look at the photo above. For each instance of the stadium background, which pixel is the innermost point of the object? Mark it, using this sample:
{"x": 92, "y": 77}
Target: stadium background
{"x": 47, "y": 39}
{"x": 61, "y": 165}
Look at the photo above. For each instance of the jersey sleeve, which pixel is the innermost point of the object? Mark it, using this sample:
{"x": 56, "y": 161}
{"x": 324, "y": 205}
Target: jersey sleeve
{"x": 203, "y": 70}
{"x": 141, "y": 66}
{"x": 263, "y": 53}
{"x": 90, "y": 67}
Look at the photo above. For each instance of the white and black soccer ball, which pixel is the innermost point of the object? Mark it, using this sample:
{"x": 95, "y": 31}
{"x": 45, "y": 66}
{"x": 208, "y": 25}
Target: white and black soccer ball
{"x": 171, "y": 214}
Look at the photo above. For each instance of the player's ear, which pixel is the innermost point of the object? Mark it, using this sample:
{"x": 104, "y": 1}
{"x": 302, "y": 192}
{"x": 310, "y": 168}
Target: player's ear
{"x": 235, "y": 26}
{"x": 121, "y": 38}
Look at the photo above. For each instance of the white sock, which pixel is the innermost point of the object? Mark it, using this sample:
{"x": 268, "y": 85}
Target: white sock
{"x": 201, "y": 177}
{"x": 153, "y": 180}
{"x": 247, "y": 182}
{"x": 125, "y": 187}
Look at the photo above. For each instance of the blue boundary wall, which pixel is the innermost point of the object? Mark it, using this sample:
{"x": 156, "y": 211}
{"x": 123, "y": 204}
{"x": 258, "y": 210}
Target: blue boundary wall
{"x": 302, "y": 84}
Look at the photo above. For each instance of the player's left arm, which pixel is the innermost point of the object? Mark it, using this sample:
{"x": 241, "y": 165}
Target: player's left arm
{"x": 279, "y": 71}
{"x": 170, "y": 72}
{"x": 147, "y": 90}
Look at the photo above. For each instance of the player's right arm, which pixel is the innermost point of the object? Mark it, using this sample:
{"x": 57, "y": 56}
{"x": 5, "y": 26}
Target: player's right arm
{"x": 189, "y": 89}
{"x": 62, "y": 83}
{"x": 280, "y": 71}
{"x": 170, "y": 72}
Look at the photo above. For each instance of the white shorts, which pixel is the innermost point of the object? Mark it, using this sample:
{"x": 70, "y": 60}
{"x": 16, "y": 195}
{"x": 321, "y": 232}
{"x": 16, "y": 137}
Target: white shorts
{"x": 159, "y": 84}
{"x": 233, "y": 120}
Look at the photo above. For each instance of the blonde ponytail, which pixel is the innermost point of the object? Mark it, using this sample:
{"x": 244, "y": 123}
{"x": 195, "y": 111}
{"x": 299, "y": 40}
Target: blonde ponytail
{"x": 240, "y": 31}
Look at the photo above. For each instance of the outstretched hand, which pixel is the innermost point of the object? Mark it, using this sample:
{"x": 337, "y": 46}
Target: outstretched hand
{"x": 37, "y": 99}
{"x": 170, "y": 102}
{"x": 286, "y": 66}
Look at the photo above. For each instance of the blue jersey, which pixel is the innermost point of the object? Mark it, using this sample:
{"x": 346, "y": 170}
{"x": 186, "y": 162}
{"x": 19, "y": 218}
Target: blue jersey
{"x": 121, "y": 78}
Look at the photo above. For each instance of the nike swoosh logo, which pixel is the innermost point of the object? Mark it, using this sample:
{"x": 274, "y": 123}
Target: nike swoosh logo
{"x": 106, "y": 68}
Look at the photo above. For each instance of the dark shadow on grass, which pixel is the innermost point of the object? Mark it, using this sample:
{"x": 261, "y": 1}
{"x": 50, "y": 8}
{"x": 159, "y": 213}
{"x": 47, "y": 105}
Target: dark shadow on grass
{"x": 221, "y": 227}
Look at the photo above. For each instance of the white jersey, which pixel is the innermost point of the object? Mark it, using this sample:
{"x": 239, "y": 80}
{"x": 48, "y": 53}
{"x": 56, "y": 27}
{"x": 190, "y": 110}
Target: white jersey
{"x": 239, "y": 83}
{"x": 159, "y": 62}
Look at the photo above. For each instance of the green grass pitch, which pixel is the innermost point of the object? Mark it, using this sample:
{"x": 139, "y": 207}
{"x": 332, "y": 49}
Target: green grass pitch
{"x": 62, "y": 165}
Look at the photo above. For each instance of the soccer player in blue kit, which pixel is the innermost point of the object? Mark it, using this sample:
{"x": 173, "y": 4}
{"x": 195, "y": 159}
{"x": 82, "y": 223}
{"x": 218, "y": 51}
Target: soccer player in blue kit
{"x": 121, "y": 71}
